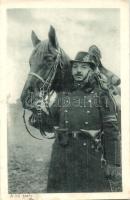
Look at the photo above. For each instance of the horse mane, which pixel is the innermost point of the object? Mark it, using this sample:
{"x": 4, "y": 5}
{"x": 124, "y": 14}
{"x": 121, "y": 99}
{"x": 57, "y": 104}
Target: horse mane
{"x": 63, "y": 82}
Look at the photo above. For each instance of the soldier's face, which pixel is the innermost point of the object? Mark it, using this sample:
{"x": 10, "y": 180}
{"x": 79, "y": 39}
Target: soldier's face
{"x": 80, "y": 71}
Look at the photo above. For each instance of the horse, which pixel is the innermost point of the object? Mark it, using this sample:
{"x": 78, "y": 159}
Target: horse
{"x": 50, "y": 72}
{"x": 50, "y": 69}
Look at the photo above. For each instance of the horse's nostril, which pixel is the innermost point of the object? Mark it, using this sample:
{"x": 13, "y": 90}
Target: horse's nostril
{"x": 118, "y": 81}
{"x": 30, "y": 89}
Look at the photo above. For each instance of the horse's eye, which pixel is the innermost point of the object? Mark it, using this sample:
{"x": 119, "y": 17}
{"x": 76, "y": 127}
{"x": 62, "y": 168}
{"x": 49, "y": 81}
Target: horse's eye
{"x": 50, "y": 59}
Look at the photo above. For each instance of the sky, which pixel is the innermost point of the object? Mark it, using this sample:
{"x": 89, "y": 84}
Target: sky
{"x": 77, "y": 29}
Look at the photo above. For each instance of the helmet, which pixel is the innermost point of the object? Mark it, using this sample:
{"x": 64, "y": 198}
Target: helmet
{"x": 85, "y": 57}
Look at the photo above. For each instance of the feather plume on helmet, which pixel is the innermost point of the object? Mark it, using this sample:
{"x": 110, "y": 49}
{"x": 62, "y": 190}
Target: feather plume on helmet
{"x": 94, "y": 51}
{"x": 112, "y": 80}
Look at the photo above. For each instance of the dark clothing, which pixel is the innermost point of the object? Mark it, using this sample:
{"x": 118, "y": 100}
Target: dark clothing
{"x": 76, "y": 168}
{"x": 76, "y": 159}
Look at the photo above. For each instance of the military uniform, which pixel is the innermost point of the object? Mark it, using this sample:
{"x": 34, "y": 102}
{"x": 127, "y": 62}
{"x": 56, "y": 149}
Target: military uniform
{"x": 86, "y": 127}
{"x": 79, "y": 118}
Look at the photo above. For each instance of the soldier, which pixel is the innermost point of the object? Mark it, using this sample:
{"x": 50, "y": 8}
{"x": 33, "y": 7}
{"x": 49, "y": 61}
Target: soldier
{"x": 87, "y": 135}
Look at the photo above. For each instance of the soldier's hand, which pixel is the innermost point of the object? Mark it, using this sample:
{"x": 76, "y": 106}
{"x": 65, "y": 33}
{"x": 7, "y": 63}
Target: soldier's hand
{"x": 40, "y": 105}
{"x": 113, "y": 172}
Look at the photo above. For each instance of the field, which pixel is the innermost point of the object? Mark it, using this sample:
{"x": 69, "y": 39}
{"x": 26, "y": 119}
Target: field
{"x": 28, "y": 158}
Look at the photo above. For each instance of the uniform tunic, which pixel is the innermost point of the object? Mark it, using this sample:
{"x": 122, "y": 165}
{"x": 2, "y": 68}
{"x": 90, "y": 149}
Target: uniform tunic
{"x": 75, "y": 162}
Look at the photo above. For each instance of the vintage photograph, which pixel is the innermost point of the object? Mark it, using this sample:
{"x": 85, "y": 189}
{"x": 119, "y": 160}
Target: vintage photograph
{"x": 64, "y": 100}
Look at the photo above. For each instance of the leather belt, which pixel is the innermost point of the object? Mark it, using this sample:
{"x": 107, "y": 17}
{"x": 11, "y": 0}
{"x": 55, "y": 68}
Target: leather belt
{"x": 77, "y": 134}
{"x": 82, "y": 132}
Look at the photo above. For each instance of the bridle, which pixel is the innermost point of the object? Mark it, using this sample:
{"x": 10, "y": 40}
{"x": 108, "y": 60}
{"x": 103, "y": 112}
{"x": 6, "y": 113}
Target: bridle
{"x": 37, "y": 76}
{"x": 54, "y": 68}
{"x": 44, "y": 91}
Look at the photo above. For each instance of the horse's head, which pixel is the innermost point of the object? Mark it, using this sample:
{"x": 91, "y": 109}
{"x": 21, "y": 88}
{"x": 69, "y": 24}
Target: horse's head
{"x": 49, "y": 68}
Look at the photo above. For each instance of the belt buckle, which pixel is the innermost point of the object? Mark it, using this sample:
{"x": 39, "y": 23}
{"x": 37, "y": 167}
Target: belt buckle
{"x": 75, "y": 134}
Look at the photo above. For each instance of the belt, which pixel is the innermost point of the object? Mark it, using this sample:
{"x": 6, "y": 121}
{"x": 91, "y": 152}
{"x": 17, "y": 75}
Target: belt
{"x": 63, "y": 135}
{"x": 76, "y": 133}
{"x": 94, "y": 141}
{"x": 91, "y": 134}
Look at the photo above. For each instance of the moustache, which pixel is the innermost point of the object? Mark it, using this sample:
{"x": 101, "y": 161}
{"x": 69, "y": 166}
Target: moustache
{"x": 78, "y": 74}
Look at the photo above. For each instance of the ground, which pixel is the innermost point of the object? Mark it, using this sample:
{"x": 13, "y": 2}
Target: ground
{"x": 28, "y": 158}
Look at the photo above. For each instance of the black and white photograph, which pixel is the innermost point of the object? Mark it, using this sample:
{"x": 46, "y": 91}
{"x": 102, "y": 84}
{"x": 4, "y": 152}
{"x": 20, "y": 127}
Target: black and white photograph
{"x": 64, "y": 124}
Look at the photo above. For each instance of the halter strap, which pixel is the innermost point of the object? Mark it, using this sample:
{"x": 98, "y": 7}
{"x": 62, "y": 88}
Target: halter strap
{"x": 37, "y": 76}
{"x": 56, "y": 63}
{"x": 43, "y": 133}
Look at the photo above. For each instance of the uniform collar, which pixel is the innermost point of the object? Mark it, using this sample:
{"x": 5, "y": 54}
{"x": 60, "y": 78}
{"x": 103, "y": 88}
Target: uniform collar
{"x": 86, "y": 87}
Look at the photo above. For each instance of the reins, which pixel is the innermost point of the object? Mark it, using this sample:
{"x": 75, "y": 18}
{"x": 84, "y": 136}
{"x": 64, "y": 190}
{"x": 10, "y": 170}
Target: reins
{"x": 42, "y": 89}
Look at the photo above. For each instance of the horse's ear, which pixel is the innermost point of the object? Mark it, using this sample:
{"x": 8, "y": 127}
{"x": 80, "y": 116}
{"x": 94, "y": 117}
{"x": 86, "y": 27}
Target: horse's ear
{"x": 34, "y": 38}
{"x": 52, "y": 37}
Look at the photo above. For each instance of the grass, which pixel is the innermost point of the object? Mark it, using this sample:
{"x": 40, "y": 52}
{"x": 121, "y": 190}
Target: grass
{"x": 28, "y": 158}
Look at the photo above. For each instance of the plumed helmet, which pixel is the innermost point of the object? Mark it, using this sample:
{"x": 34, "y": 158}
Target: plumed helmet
{"x": 95, "y": 51}
{"x": 85, "y": 57}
